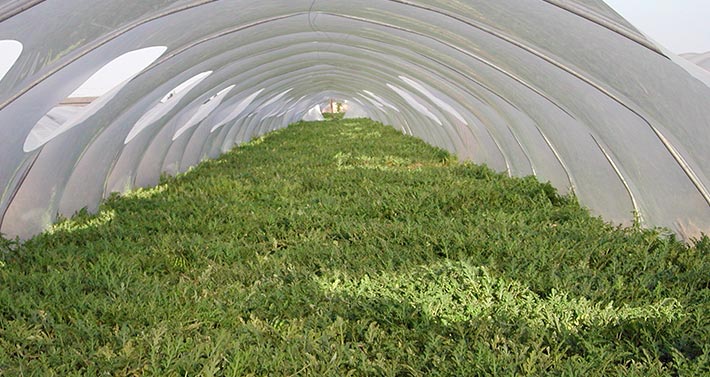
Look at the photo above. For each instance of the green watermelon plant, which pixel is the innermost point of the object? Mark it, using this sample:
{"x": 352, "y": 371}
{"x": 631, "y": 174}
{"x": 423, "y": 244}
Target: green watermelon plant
{"x": 343, "y": 248}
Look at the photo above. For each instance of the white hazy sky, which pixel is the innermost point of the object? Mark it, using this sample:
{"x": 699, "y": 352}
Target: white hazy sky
{"x": 679, "y": 25}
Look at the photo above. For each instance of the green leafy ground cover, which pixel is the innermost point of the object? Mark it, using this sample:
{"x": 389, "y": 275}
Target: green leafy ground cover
{"x": 333, "y": 116}
{"x": 343, "y": 248}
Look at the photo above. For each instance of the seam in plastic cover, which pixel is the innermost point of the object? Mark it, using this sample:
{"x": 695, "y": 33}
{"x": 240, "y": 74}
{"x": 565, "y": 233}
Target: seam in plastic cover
{"x": 166, "y": 103}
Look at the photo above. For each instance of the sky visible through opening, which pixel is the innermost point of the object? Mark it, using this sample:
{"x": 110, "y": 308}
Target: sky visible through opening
{"x": 679, "y": 25}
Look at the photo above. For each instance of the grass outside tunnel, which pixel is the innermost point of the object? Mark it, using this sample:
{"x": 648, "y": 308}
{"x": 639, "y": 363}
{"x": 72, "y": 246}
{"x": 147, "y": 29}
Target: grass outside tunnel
{"x": 344, "y": 248}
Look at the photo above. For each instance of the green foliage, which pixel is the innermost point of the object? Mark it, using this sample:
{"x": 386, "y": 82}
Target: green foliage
{"x": 334, "y": 116}
{"x": 344, "y": 248}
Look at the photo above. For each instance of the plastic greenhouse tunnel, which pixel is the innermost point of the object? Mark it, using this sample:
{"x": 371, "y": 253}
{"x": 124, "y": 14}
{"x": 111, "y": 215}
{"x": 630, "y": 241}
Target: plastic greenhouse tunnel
{"x": 602, "y": 112}
{"x": 100, "y": 99}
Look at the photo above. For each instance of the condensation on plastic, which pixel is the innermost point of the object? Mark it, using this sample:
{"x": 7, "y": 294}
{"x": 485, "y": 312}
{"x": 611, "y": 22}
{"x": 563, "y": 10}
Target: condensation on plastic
{"x": 565, "y": 90}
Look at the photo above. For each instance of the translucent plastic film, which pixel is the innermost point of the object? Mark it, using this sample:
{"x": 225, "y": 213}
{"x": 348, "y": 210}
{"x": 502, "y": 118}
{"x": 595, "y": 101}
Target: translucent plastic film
{"x": 565, "y": 90}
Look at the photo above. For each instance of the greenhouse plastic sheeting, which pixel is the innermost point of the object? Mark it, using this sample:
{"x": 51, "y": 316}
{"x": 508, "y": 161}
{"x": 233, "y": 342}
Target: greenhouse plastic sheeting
{"x": 314, "y": 115}
{"x": 565, "y": 90}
